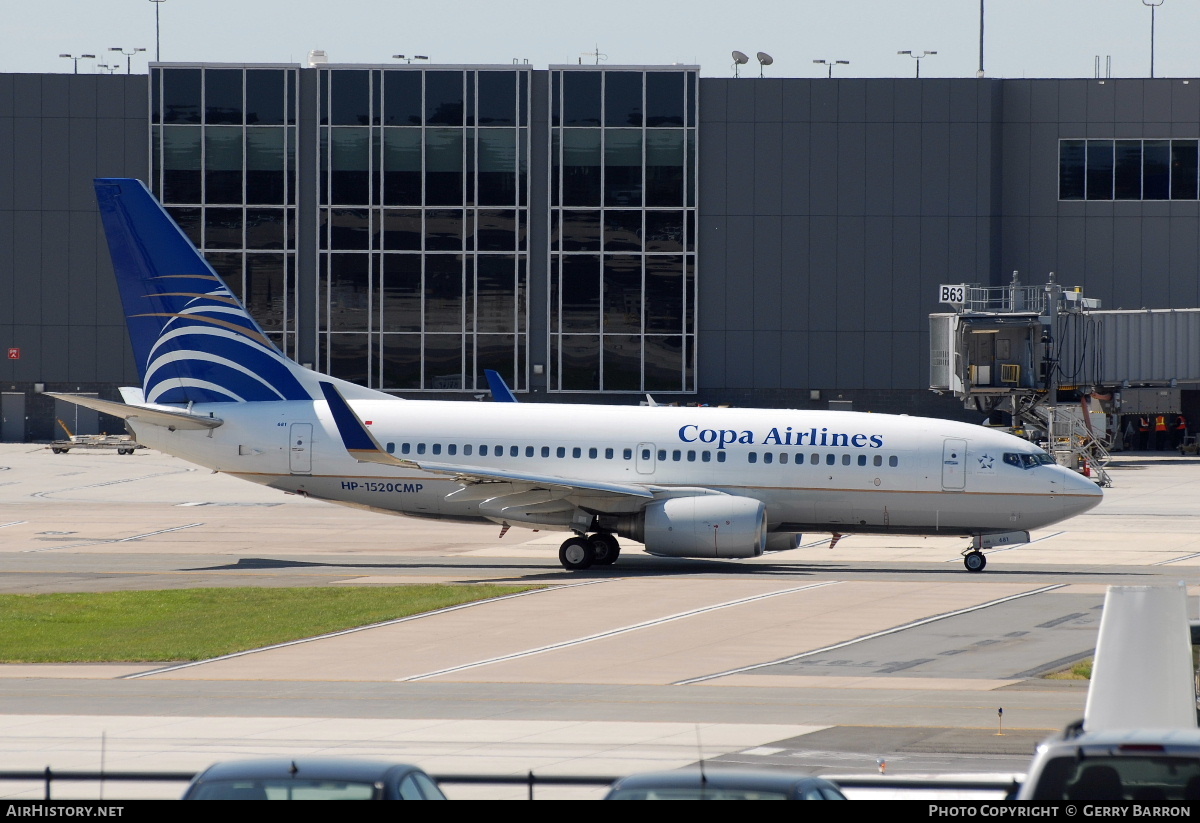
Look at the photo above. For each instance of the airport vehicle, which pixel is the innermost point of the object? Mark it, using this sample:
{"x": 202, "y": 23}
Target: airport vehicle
{"x": 318, "y": 778}
{"x": 724, "y": 784}
{"x": 685, "y": 482}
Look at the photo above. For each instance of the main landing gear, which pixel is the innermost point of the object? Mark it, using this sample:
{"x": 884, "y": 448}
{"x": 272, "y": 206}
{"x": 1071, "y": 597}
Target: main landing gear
{"x": 582, "y": 552}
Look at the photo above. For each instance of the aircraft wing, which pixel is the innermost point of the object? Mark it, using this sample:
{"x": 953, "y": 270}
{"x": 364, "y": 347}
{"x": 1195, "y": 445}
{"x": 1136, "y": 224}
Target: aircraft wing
{"x": 167, "y": 418}
{"x": 363, "y": 447}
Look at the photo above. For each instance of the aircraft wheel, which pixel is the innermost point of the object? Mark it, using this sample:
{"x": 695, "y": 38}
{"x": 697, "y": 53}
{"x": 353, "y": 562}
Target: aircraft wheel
{"x": 576, "y": 554}
{"x": 605, "y": 548}
{"x": 975, "y": 561}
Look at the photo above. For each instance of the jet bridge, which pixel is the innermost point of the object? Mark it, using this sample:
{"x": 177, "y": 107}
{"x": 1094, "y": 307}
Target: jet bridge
{"x": 1059, "y": 365}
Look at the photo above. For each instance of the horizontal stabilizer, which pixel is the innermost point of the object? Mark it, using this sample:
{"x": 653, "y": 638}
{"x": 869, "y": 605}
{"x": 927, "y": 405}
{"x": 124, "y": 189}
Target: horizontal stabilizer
{"x": 357, "y": 439}
{"x": 166, "y": 418}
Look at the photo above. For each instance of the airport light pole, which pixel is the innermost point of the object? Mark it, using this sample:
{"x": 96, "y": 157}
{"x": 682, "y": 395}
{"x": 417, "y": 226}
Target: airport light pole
{"x": 918, "y": 58}
{"x": 157, "y": 49}
{"x": 1153, "y": 5}
{"x": 77, "y": 58}
{"x": 128, "y": 57}
{"x": 831, "y": 64}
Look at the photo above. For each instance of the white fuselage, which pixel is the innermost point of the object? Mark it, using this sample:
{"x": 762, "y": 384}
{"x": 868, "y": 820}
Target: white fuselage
{"x": 812, "y": 470}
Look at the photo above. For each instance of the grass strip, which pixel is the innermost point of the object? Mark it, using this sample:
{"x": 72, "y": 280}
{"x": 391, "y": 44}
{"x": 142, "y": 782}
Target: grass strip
{"x": 196, "y": 624}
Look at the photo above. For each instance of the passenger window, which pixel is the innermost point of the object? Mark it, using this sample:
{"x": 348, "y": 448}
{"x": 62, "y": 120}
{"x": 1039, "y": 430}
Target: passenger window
{"x": 608, "y": 454}
{"x": 720, "y": 457}
{"x": 529, "y": 451}
{"x": 576, "y": 452}
{"x": 405, "y": 448}
{"x": 437, "y": 448}
{"x": 830, "y": 459}
{"x": 452, "y": 449}
{"x": 752, "y": 457}
{"x": 783, "y": 457}
{"x": 662, "y": 454}
{"x": 845, "y": 460}
{"x": 878, "y": 460}
{"x": 705, "y": 457}
{"x": 498, "y": 451}
{"x": 645, "y": 454}
{"x": 676, "y": 455}
{"x": 893, "y": 461}
{"x": 545, "y": 451}
{"x": 420, "y": 448}
{"x": 627, "y": 454}
{"x": 768, "y": 457}
{"x": 467, "y": 450}
{"x": 691, "y": 456}
{"x": 593, "y": 453}
{"x": 561, "y": 451}
{"x": 514, "y": 451}
{"x": 862, "y": 460}
{"x": 483, "y": 451}
{"x": 814, "y": 459}
{"x": 391, "y": 448}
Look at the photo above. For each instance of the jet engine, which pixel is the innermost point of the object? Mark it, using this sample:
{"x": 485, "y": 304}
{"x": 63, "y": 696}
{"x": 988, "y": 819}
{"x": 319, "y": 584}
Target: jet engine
{"x": 701, "y": 526}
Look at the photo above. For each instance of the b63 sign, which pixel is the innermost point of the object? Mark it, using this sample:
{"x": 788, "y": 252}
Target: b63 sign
{"x": 953, "y": 294}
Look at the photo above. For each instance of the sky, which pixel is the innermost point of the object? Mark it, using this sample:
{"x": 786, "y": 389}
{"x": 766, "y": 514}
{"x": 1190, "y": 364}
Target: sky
{"x": 1023, "y": 38}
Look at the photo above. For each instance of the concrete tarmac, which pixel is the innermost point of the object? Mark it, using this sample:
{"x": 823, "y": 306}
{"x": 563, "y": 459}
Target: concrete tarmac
{"x": 818, "y": 658}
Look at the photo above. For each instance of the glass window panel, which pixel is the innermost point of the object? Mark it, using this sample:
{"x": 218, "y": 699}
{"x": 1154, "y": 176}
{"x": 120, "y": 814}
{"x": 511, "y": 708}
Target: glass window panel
{"x": 689, "y": 359}
{"x": 497, "y": 98}
{"x": 350, "y": 162}
{"x": 402, "y": 229}
{"x": 664, "y": 231}
{"x": 580, "y": 290}
{"x": 580, "y": 362}
{"x": 581, "y": 98}
{"x": 402, "y": 167}
{"x": 349, "y": 229}
{"x": 690, "y": 171}
{"x": 580, "y": 230}
{"x": 581, "y": 166}
{"x": 191, "y": 222}
{"x": 266, "y": 164}
{"x": 265, "y": 96}
{"x": 622, "y": 293}
{"x": 622, "y": 167}
{"x": 622, "y": 230}
{"x": 156, "y": 96}
{"x": 1127, "y": 179}
{"x": 444, "y": 230}
{"x": 622, "y": 98}
{"x": 223, "y": 228}
{"x": 1099, "y": 169}
{"x": 181, "y": 95}
{"x": 265, "y": 228}
{"x": 443, "y": 293}
{"x": 443, "y": 98}
{"x": 664, "y": 98}
{"x": 443, "y": 166}
{"x": 402, "y": 98}
{"x": 664, "y": 293}
{"x": 349, "y": 97}
{"x": 497, "y": 163}
{"x": 264, "y": 295}
{"x": 181, "y": 164}
{"x": 223, "y": 164}
{"x": 349, "y": 292}
{"x": 689, "y": 293}
{"x": 494, "y": 351}
{"x": 401, "y": 356}
{"x": 348, "y": 357}
{"x": 443, "y": 362}
{"x": 691, "y": 98}
{"x": 1156, "y": 170}
{"x": 664, "y": 167}
{"x": 223, "y": 96}
{"x": 1183, "y": 169}
{"x": 495, "y": 293}
{"x": 622, "y": 362}
{"x": 400, "y": 293}
{"x": 229, "y": 268}
{"x": 664, "y": 363}
{"x": 496, "y": 231}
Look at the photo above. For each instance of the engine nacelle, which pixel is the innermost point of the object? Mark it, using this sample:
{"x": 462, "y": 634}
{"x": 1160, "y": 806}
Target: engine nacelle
{"x": 701, "y": 526}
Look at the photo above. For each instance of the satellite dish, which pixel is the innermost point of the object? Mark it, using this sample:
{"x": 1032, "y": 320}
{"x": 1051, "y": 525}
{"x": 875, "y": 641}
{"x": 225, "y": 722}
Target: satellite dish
{"x": 765, "y": 58}
{"x": 740, "y": 58}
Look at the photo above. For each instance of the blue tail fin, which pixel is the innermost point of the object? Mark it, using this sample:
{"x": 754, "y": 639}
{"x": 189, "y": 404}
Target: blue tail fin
{"x": 500, "y": 390}
{"x": 192, "y": 339}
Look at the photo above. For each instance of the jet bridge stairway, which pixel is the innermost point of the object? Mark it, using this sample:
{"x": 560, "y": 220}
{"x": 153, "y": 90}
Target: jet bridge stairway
{"x": 1072, "y": 441}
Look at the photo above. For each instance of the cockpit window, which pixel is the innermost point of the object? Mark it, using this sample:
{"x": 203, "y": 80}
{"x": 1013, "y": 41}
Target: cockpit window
{"x": 1028, "y": 461}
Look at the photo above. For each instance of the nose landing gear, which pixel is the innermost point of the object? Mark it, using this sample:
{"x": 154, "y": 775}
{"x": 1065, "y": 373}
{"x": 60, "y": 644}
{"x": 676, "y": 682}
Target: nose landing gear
{"x": 579, "y": 553}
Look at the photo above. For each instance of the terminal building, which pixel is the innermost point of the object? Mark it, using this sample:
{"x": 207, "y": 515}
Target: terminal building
{"x": 593, "y": 233}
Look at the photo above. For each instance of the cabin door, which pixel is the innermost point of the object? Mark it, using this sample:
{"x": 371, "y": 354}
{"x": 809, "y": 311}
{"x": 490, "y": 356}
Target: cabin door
{"x": 645, "y": 458}
{"x": 954, "y": 464}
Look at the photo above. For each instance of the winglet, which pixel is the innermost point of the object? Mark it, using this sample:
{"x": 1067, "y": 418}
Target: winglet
{"x": 359, "y": 442}
{"x": 500, "y": 391}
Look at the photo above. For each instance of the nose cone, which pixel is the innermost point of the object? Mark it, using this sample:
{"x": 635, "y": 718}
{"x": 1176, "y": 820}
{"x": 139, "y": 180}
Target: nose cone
{"x": 1078, "y": 493}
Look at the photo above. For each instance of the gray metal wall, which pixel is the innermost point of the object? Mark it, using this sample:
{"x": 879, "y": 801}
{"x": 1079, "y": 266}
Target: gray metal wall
{"x": 58, "y": 299}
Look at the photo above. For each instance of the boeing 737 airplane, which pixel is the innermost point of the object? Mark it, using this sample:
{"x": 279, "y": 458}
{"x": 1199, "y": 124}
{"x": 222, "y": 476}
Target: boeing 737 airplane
{"x": 684, "y": 482}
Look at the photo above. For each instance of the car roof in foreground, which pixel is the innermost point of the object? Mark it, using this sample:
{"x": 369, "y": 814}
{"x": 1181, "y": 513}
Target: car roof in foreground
{"x": 774, "y": 779}
{"x": 315, "y": 768}
{"x": 1182, "y": 738}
